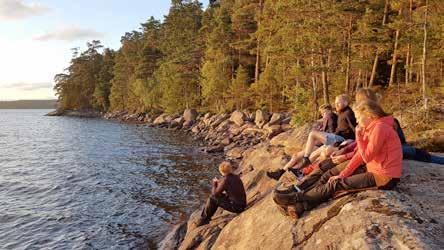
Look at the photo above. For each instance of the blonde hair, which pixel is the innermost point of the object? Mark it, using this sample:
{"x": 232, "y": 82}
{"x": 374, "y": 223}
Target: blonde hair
{"x": 364, "y": 94}
{"x": 370, "y": 108}
{"x": 343, "y": 97}
{"x": 225, "y": 168}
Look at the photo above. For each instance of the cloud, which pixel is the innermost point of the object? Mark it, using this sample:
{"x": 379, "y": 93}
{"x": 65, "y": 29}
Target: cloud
{"x": 27, "y": 86}
{"x": 17, "y": 10}
{"x": 70, "y": 34}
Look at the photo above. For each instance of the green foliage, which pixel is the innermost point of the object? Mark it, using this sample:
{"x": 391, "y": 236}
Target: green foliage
{"x": 238, "y": 93}
{"x": 300, "y": 104}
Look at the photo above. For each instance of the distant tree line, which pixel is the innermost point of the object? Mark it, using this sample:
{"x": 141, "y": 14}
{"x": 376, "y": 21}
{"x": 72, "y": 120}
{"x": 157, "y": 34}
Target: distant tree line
{"x": 274, "y": 54}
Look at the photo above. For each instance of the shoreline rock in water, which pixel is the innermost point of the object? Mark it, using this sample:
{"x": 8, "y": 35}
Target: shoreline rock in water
{"x": 87, "y": 113}
{"x": 409, "y": 217}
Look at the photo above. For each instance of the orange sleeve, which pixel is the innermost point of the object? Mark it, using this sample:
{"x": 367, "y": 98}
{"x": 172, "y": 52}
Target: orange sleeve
{"x": 354, "y": 163}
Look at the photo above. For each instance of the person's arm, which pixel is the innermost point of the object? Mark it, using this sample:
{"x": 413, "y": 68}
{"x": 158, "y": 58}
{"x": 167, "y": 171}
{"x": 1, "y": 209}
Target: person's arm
{"x": 324, "y": 124}
{"x": 354, "y": 163}
{"x": 399, "y": 131}
{"x": 218, "y": 187}
{"x": 349, "y": 155}
{"x": 330, "y": 128}
{"x": 349, "y": 122}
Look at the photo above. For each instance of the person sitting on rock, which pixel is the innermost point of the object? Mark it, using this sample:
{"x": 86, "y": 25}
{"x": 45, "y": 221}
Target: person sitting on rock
{"x": 329, "y": 124}
{"x": 409, "y": 152}
{"x": 344, "y": 130}
{"x": 227, "y": 193}
{"x": 377, "y": 163}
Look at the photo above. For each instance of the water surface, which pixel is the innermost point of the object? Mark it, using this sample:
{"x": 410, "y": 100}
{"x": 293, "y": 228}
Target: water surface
{"x": 69, "y": 183}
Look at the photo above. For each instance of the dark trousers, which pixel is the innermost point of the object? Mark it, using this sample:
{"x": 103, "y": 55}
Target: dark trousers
{"x": 316, "y": 177}
{"x": 325, "y": 189}
{"x": 222, "y": 201}
{"x": 318, "y": 189}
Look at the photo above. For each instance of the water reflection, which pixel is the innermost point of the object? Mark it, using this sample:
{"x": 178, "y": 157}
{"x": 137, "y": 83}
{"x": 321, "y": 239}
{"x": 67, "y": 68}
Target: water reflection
{"x": 70, "y": 183}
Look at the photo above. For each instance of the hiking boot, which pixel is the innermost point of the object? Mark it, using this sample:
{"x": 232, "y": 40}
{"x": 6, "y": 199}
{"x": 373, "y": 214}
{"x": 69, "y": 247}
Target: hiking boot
{"x": 275, "y": 174}
{"x": 286, "y": 199}
{"x": 288, "y": 190}
{"x": 305, "y": 162}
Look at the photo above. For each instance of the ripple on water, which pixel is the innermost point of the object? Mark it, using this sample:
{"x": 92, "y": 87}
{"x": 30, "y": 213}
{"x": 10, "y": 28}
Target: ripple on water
{"x": 69, "y": 183}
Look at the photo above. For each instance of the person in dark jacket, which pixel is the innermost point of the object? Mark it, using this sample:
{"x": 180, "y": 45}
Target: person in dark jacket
{"x": 344, "y": 131}
{"x": 227, "y": 193}
{"x": 329, "y": 119}
{"x": 329, "y": 124}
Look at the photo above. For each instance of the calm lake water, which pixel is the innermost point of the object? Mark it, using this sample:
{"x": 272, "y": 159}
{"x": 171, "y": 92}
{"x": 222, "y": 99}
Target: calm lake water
{"x": 69, "y": 183}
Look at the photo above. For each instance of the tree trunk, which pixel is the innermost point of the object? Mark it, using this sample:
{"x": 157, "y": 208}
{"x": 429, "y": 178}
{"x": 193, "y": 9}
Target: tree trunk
{"x": 424, "y": 57}
{"x": 324, "y": 64}
{"x": 347, "y": 69}
{"x": 314, "y": 87}
{"x": 407, "y": 67}
{"x": 374, "y": 68}
{"x": 298, "y": 64}
{"x": 411, "y": 68}
{"x": 375, "y": 61}
{"x": 394, "y": 57}
{"x": 258, "y": 52}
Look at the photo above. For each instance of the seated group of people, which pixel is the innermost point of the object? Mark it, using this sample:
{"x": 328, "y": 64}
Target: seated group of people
{"x": 353, "y": 150}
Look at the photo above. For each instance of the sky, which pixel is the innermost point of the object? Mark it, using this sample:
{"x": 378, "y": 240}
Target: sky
{"x": 36, "y": 37}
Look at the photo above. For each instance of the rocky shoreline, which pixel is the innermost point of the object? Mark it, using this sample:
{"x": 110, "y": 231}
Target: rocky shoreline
{"x": 409, "y": 217}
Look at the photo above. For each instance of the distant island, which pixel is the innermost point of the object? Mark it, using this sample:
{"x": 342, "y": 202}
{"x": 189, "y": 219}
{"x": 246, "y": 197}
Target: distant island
{"x": 29, "y": 104}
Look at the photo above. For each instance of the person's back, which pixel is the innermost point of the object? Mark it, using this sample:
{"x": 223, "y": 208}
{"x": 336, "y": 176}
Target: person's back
{"x": 234, "y": 188}
{"x": 227, "y": 193}
{"x": 388, "y": 159}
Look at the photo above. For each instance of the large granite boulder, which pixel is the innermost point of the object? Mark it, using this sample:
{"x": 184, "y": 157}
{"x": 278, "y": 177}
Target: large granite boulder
{"x": 238, "y": 117}
{"x": 261, "y": 118}
{"x": 190, "y": 115}
{"x": 162, "y": 119}
{"x": 260, "y": 227}
{"x": 276, "y": 119}
{"x": 292, "y": 140}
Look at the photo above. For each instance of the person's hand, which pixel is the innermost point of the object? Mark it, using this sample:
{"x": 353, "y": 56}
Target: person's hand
{"x": 336, "y": 153}
{"x": 338, "y": 159}
{"x": 333, "y": 178}
{"x": 360, "y": 130}
{"x": 215, "y": 180}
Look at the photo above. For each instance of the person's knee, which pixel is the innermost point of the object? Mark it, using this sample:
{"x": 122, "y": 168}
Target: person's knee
{"x": 326, "y": 176}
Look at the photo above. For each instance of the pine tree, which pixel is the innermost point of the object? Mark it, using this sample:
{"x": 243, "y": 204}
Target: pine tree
{"x": 178, "y": 73}
{"x": 217, "y": 69}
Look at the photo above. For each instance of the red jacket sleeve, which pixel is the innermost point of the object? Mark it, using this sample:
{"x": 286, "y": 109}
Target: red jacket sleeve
{"x": 350, "y": 155}
{"x": 354, "y": 163}
{"x": 349, "y": 148}
{"x": 368, "y": 149}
